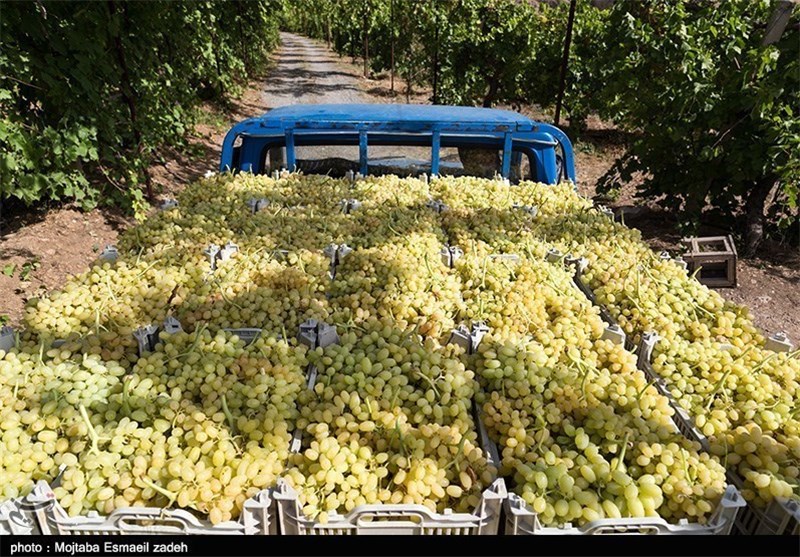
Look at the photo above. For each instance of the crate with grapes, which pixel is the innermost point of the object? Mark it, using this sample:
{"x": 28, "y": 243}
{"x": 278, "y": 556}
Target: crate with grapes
{"x": 290, "y": 387}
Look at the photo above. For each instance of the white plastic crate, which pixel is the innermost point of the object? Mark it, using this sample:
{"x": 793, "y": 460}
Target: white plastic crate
{"x": 257, "y": 518}
{"x": 51, "y": 518}
{"x": 522, "y": 520}
{"x": 614, "y": 331}
{"x": 681, "y": 417}
{"x": 17, "y": 518}
{"x": 401, "y": 519}
{"x": 782, "y": 516}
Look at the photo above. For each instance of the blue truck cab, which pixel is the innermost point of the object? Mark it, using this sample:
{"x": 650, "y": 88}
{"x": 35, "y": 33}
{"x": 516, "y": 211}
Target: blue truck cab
{"x": 250, "y": 144}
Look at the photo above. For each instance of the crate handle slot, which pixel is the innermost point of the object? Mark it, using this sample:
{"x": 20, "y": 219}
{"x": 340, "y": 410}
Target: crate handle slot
{"x": 143, "y": 524}
{"x": 401, "y": 514}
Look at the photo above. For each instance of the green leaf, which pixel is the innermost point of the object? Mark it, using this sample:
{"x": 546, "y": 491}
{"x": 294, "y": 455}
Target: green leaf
{"x": 27, "y": 269}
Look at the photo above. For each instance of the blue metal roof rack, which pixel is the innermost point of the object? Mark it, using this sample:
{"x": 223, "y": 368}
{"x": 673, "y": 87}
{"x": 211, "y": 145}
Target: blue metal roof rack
{"x": 400, "y": 124}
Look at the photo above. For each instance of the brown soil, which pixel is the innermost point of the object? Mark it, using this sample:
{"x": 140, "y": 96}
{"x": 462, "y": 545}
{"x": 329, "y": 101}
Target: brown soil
{"x": 769, "y": 284}
{"x": 57, "y": 243}
{"x": 63, "y": 240}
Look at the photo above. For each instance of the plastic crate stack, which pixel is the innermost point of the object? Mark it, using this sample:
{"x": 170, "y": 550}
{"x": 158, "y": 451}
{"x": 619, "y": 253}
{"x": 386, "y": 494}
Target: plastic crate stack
{"x": 374, "y": 247}
{"x": 521, "y": 519}
{"x": 782, "y": 516}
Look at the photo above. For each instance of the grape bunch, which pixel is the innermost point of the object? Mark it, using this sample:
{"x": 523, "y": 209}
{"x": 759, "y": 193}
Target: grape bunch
{"x": 587, "y": 440}
{"x": 389, "y": 420}
{"x": 711, "y": 354}
{"x": 405, "y": 281}
{"x": 204, "y": 420}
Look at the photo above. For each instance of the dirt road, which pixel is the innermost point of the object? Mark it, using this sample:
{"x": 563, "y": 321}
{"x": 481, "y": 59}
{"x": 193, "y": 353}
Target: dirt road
{"x": 307, "y": 72}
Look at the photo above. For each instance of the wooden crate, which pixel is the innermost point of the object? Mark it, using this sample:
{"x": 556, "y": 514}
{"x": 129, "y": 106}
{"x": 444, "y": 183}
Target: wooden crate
{"x": 715, "y": 256}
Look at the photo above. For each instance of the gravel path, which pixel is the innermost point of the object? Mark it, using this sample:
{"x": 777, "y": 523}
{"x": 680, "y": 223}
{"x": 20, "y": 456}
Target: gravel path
{"x": 308, "y": 73}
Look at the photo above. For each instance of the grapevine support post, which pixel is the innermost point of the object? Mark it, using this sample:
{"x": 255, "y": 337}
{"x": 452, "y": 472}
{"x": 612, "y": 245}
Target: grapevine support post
{"x": 565, "y": 61}
{"x": 435, "y": 57}
{"x": 391, "y": 43}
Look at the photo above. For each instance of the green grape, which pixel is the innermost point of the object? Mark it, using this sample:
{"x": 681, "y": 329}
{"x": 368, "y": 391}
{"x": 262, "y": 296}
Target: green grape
{"x": 203, "y": 421}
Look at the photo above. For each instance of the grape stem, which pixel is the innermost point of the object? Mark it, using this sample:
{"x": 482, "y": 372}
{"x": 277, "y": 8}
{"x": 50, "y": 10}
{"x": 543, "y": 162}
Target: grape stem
{"x": 638, "y": 283}
{"x": 583, "y": 369}
{"x": 110, "y": 290}
{"x": 218, "y": 284}
{"x": 97, "y": 325}
{"x": 554, "y": 283}
{"x": 686, "y": 466}
{"x": 92, "y": 433}
{"x": 193, "y": 347}
{"x": 171, "y": 495}
{"x": 430, "y": 382}
{"x": 650, "y": 384}
{"x": 350, "y": 325}
{"x": 369, "y": 407}
{"x": 621, "y": 458}
{"x": 540, "y": 418}
{"x": 764, "y": 362}
{"x": 229, "y": 416}
{"x": 399, "y": 437}
{"x": 125, "y": 395}
{"x": 146, "y": 268}
{"x": 457, "y": 455}
{"x": 721, "y": 382}
{"x": 583, "y": 381}
{"x": 138, "y": 244}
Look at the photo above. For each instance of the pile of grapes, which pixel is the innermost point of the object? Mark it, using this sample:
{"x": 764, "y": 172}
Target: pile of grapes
{"x": 203, "y": 419}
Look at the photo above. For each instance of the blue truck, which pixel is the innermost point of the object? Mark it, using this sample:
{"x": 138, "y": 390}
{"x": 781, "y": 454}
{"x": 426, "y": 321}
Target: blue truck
{"x": 269, "y": 142}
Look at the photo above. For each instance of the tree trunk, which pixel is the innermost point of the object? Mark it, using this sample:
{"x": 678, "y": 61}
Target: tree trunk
{"x": 754, "y": 210}
{"x": 243, "y": 42}
{"x": 756, "y": 200}
{"x": 778, "y": 21}
{"x": 328, "y": 32}
{"x": 494, "y": 86}
{"x": 409, "y": 84}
